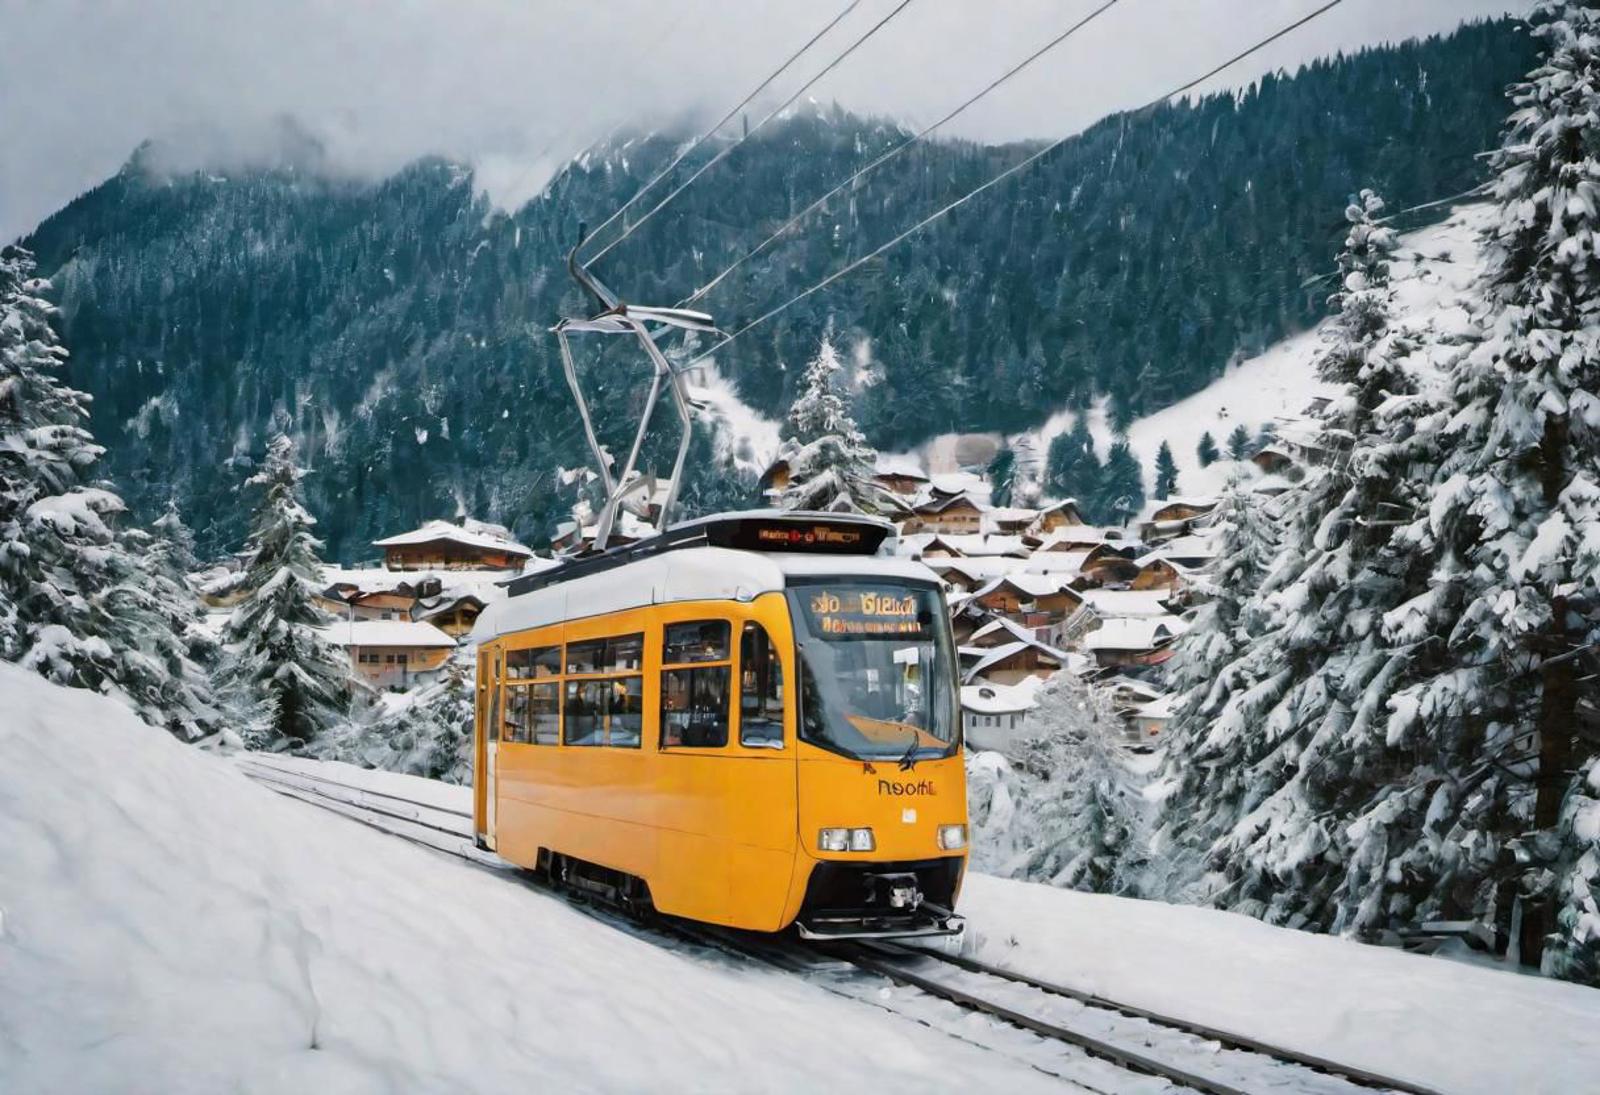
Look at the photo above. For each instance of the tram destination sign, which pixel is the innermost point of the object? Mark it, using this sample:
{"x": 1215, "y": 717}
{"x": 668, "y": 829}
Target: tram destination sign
{"x": 814, "y": 534}
{"x": 865, "y": 612}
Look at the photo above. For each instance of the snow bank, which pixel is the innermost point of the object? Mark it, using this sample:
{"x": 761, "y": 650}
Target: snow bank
{"x": 1447, "y": 1025}
{"x": 167, "y": 926}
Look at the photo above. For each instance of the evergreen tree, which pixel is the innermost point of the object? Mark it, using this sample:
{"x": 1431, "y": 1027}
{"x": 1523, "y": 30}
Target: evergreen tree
{"x": 830, "y": 463}
{"x": 292, "y": 682}
{"x": 1239, "y": 443}
{"x": 1072, "y": 468}
{"x": 1120, "y": 496}
{"x": 1070, "y": 814}
{"x": 1522, "y": 487}
{"x": 79, "y": 601}
{"x": 1207, "y": 450}
{"x": 1288, "y": 737}
{"x": 1166, "y": 472}
{"x": 1002, "y": 472}
{"x": 430, "y": 735}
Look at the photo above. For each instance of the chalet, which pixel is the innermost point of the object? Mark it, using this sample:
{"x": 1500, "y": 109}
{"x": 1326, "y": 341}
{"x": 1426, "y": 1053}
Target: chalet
{"x": 390, "y": 653}
{"x": 1106, "y": 566}
{"x": 453, "y": 613}
{"x": 1272, "y": 460}
{"x": 1013, "y": 594}
{"x": 1144, "y": 604}
{"x": 440, "y": 545}
{"x": 1173, "y": 517}
{"x": 775, "y": 480}
{"x": 1081, "y": 538}
{"x": 993, "y": 715}
{"x": 1057, "y": 515}
{"x": 970, "y": 575}
{"x": 1156, "y": 572}
{"x": 1130, "y": 642}
{"x": 1010, "y": 520}
{"x": 952, "y": 513}
{"x": 1012, "y": 662}
{"x": 898, "y": 474}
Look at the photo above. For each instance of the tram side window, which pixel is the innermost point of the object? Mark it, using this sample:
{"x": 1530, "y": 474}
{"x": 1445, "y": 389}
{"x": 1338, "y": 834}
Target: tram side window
{"x": 695, "y": 684}
{"x": 517, "y": 727}
{"x": 605, "y": 711}
{"x": 544, "y": 703}
{"x": 760, "y": 690}
{"x": 615, "y": 654}
{"x": 537, "y": 662}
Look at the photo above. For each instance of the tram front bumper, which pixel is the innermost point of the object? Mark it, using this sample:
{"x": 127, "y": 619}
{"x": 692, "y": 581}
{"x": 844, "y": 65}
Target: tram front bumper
{"x": 895, "y": 900}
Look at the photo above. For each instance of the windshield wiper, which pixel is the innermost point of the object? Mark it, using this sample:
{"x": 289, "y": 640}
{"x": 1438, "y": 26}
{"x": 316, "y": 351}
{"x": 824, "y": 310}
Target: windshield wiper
{"x": 909, "y": 760}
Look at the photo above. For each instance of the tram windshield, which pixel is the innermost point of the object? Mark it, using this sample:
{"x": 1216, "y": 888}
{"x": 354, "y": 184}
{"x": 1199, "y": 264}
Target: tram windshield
{"x": 876, "y": 675}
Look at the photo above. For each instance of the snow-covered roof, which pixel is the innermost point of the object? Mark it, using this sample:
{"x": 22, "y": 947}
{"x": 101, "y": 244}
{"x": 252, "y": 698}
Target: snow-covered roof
{"x": 387, "y": 633}
{"x": 1027, "y": 583}
{"x": 1155, "y": 506}
{"x": 1014, "y": 514}
{"x": 470, "y": 534}
{"x": 977, "y": 543}
{"x": 1131, "y": 634}
{"x": 1081, "y": 534}
{"x": 983, "y": 697}
{"x": 1011, "y": 628}
{"x": 995, "y": 655}
{"x": 976, "y": 569}
{"x": 938, "y": 503}
{"x": 1056, "y": 562}
{"x": 958, "y": 482}
{"x": 1115, "y": 603}
{"x": 483, "y": 584}
{"x": 1178, "y": 548}
{"x": 904, "y": 464}
{"x": 689, "y": 574}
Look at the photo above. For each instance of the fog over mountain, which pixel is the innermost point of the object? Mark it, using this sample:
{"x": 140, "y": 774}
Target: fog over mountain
{"x": 518, "y": 89}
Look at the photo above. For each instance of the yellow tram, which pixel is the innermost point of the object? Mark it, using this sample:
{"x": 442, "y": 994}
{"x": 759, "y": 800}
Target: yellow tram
{"x": 750, "y": 720}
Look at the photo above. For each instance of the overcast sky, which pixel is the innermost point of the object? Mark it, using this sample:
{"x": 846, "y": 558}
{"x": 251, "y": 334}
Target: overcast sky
{"x": 516, "y": 87}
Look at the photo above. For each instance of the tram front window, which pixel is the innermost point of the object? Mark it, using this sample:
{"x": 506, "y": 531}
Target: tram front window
{"x": 876, "y": 674}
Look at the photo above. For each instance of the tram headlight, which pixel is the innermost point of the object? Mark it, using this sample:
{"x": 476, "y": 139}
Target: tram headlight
{"x": 952, "y": 837}
{"x": 846, "y": 840}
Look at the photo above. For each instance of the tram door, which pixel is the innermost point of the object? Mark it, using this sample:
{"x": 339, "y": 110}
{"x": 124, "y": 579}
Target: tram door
{"x": 487, "y": 739}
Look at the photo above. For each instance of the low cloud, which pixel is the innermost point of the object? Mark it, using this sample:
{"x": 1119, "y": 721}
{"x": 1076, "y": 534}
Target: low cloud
{"x": 517, "y": 87}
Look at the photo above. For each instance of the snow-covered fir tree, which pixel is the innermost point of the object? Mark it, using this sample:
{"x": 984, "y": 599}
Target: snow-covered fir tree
{"x": 1206, "y": 451}
{"x": 290, "y": 682}
{"x": 1120, "y": 493}
{"x": 1239, "y": 443}
{"x": 1166, "y": 472}
{"x": 428, "y": 733}
{"x": 830, "y": 462}
{"x": 1069, "y": 812}
{"x": 1072, "y": 468}
{"x": 81, "y": 601}
{"x": 1521, "y": 487}
{"x": 1285, "y": 738}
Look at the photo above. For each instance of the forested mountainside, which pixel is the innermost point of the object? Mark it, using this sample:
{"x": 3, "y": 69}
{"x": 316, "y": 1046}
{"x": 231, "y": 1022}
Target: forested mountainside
{"x": 399, "y": 328}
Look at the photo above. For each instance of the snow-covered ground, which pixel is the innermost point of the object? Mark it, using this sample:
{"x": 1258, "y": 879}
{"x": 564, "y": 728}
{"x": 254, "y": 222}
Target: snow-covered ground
{"x": 1451, "y": 1026}
{"x": 168, "y": 926}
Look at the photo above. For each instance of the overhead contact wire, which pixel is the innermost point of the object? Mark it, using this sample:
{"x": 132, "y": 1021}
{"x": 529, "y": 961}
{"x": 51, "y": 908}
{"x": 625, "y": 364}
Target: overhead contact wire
{"x": 899, "y": 148}
{"x": 725, "y": 119}
{"x": 996, "y": 180}
{"x": 726, "y": 152}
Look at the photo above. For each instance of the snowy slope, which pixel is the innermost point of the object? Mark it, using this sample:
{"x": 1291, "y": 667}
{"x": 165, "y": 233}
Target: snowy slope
{"x": 1446, "y": 1025}
{"x": 1436, "y": 265}
{"x": 169, "y": 927}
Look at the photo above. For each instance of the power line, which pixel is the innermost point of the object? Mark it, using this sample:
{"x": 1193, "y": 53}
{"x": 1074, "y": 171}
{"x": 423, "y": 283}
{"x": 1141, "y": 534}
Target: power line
{"x": 707, "y": 135}
{"x": 726, "y": 152}
{"x": 897, "y": 149}
{"x": 996, "y": 180}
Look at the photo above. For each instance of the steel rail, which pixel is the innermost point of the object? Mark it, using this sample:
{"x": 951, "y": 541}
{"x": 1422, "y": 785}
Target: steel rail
{"x": 1359, "y": 1076}
{"x": 352, "y": 787}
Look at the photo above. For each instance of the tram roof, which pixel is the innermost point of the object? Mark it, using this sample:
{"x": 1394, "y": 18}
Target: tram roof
{"x": 687, "y": 574}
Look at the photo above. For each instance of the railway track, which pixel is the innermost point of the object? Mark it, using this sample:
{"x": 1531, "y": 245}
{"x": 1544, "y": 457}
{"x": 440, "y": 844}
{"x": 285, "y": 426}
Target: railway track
{"x": 1088, "y": 1040}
